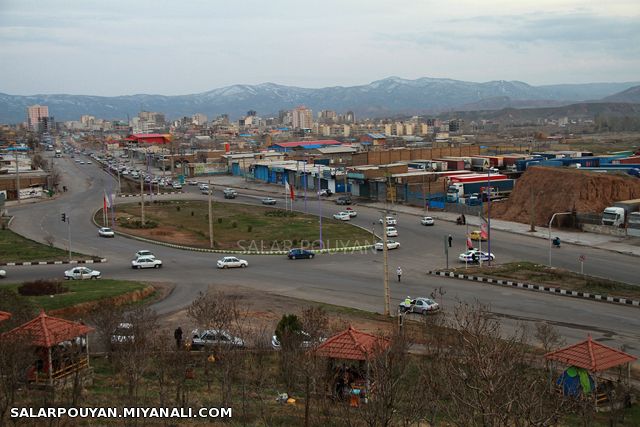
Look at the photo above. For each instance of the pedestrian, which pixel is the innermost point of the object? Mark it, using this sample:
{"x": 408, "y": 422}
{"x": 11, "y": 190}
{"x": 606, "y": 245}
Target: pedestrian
{"x": 450, "y": 239}
{"x": 177, "y": 334}
{"x": 399, "y": 273}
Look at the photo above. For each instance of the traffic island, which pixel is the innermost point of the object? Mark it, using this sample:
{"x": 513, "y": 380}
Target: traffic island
{"x": 237, "y": 228}
{"x": 541, "y": 278}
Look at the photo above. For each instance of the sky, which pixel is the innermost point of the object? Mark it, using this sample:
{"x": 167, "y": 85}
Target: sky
{"x": 115, "y": 47}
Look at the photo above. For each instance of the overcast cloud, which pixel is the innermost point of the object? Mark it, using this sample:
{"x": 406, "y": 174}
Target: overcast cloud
{"x": 120, "y": 47}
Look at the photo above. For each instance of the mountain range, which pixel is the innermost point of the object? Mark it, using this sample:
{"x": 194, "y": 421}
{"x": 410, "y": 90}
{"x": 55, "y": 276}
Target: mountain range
{"x": 382, "y": 98}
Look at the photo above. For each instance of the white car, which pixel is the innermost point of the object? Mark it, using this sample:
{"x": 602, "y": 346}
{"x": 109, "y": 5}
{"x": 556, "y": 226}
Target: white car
{"x": 427, "y": 220}
{"x": 392, "y": 232}
{"x": 389, "y": 220}
{"x": 81, "y": 273}
{"x": 468, "y": 256}
{"x": 177, "y": 185}
{"x": 419, "y": 305}
{"x": 3, "y": 274}
{"x": 213, "y": 338}
{"x": 351, "y": 212}
{"x": 146, "y": 262}
{"x": 203, "y": 186}
{"x": 391, "y": 244}
{"x": 122, "y": 334}
{"x": 192, "y": 182}
{"x": 342, "y": 216}
{"x": 231, "y": 262}
{"x": 106, "y": 232}
{"x": 144, "y": 253}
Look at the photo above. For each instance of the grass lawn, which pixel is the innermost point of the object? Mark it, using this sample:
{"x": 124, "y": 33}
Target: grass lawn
{"x": 15, "y": 248}
{"x": 83, "y": 291}
{"x": 555, "y": 277}
{"x": 238, "y": 226}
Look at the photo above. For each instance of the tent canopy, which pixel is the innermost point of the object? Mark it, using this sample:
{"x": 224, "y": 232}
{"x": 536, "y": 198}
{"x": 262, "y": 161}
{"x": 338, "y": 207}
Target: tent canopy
{"x": 352, "y": 344}
{"x": 591, "y": 356}
{"x": 47, "y": 331}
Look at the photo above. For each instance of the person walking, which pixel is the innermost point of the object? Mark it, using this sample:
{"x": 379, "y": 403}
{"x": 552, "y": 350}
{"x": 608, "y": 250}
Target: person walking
{"x": 399, "y": 273}
{"x": 177, "y": 334}
{"x": 450, "y": 239}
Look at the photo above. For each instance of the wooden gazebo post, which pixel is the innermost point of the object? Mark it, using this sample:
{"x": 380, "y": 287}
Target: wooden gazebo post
{"x": 50, "y": 363}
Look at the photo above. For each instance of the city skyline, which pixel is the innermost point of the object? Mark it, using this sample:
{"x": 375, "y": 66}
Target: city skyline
{"x": 140, "y": 48}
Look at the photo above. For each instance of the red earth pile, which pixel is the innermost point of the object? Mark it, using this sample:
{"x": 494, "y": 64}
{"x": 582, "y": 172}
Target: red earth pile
{"x": 563, "y": 190}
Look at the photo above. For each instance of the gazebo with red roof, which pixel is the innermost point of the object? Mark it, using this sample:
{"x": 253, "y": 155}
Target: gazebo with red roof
{"x": 592, "y": 356}
{"x": 352, "y": 344}
{"x": 51, "y": 333}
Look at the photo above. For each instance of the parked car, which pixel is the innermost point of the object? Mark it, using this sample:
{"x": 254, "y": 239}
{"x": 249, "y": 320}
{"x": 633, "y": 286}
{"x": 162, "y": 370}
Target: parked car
{"x": 177, "y": 185}
{"x": 300, "y": 254}
{"x": 477, "y": 235}
{"x": 81, "y": 273}
{"x": 268, "y": 201}
{"x": 306, "y": 341}
{"x": 389, "y": 220}
{"x": 231, "y": 262}
{"x": 192, "y": 182}
{"x": 392, "y": 232}
{"x": 122, "y": 334}
{"x": 106, "y": 232}
{"x": 325, "y": 193}
{"x": 3, "y": 274}
{"x": 144, "y": 253}
{"x": 230, "y": 193}
{"x": 391, "y": 244}
{"x": 343, "y": 200}
{"x": 203, "y": 186}
{"x": 427, "y": 220}
{"x": 146, "y": 262}
{"x": 342, "y": 216}
{"x": 352, "y": 213}
{"x": 212, "y": 338}
{"x": 474, "y": 255}
{"x": 419, "y": 305}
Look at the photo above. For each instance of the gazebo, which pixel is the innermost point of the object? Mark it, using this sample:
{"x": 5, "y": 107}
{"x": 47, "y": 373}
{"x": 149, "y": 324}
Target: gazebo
{"x": 593, "y": 357}
{"x": 351, "y": 345}
{"x": 61, "y": 347}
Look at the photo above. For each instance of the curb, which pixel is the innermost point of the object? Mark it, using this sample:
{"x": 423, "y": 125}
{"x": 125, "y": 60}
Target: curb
{"x": 539, "y": 288}
{"x": 222, "y": 251}
{"x": 73, "y": 261}
{"x": 151, "y": 195}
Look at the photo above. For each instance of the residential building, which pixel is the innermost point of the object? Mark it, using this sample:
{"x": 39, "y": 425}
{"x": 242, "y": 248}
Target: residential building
{"x": 302, "y": 118}
{"x": 35, "y": 115}
{"x": 199, "y": 119}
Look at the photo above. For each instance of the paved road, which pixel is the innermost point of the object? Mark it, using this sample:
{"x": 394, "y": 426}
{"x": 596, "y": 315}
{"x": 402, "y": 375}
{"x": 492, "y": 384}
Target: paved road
{"x": 352, "y": 280}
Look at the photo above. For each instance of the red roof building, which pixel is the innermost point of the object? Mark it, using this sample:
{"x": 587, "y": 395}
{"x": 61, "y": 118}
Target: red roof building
{"x": 591, "y": 355}
{"x": 352, "y": 345}
{"x": 149, "y": 138}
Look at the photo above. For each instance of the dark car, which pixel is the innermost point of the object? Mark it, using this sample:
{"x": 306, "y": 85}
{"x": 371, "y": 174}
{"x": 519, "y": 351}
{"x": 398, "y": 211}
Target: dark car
{"x": 343, "y": 200}
{"x": 300, "y": 254}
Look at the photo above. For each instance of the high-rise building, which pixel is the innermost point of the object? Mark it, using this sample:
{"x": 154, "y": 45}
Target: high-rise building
{"x": 35, "y": 114}
{"x": 302, "y": 118}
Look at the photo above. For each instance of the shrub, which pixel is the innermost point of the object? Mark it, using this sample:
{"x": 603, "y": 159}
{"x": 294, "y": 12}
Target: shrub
{"x": 234, "y": 224}
{"x": 42, "y": 287}
{"x": 219, "y": 220}
{"x": 249, "y": 228}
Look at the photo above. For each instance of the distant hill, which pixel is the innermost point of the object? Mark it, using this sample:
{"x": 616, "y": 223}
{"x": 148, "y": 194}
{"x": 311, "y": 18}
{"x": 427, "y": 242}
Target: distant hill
{"x": 631, "y": 95}
{"x": 386, "y": 97}
{"x": 584, "y": 110}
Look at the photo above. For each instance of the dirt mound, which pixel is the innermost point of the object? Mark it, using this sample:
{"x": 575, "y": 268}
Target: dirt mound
{"x": 549, "y": 190}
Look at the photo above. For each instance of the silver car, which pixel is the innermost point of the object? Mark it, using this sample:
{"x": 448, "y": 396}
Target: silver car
{"x": 80, "y": 273}
{"x": 214, "y": 337}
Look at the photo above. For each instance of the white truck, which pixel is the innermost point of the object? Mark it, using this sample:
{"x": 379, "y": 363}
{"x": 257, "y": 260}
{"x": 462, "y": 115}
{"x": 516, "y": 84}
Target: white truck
{"x": 617, "y": 214}
{"x": 58, "y": 153}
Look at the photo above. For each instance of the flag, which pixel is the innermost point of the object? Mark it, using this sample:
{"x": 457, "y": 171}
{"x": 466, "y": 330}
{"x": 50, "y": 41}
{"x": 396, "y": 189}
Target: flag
{"x": 293, "y": 196}
{"x": 107, "y": 201}
{"x": 289, "y": 190}
{"x": 469, "y": 243}
{"x": 483, "y": 231}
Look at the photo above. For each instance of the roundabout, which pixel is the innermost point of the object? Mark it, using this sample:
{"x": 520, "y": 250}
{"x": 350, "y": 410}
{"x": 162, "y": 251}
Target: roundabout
{"x": 236, "y": 228}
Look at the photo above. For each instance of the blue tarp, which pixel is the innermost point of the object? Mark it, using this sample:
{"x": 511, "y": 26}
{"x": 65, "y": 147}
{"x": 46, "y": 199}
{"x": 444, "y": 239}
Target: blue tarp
{"x": 575, "y": 381}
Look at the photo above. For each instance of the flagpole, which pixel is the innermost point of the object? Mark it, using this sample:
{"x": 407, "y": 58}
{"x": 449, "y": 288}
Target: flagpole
{"x": 304, "y": 179}
{"x": 320, "y": 209}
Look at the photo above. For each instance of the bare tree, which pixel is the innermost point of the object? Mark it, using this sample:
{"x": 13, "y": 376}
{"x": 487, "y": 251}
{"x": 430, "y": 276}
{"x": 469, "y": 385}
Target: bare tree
{"x": 16, "y": 355}
{"x": 106, "y": 317}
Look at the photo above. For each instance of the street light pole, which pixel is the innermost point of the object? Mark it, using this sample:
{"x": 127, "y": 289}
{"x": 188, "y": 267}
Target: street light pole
{"x": 551, "y": 222}
{"x": 210, "y": 217}
{"x": 385, "y": 264}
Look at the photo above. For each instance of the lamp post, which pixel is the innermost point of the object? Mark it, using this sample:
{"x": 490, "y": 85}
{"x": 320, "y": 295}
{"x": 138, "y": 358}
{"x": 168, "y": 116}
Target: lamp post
{"x": 551, "y": 222}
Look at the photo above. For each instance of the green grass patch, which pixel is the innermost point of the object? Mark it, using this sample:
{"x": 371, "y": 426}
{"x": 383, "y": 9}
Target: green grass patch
{"x": 554, "y": 277}
{"x": 15, "y": 248}
{"x": 238, "y": 226}
{"x": 81, "y": 291}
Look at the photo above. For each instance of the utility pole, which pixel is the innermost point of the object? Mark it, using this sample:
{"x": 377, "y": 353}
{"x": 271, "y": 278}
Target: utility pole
{"x": 17, "y": 177}
{"x": 210, "y": 216}
{"x": 385, "y": 265}
{"x": 142, "y": 204}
